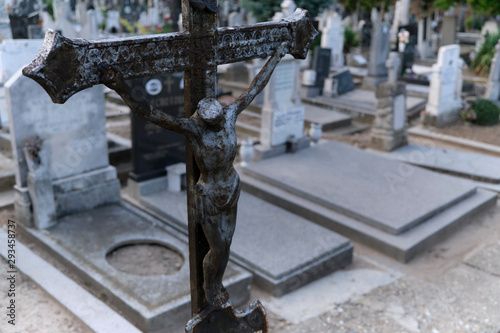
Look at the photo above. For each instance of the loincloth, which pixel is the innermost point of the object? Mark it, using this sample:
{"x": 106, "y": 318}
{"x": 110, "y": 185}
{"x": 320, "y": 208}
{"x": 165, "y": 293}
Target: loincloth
{"x": 217, "y": 198}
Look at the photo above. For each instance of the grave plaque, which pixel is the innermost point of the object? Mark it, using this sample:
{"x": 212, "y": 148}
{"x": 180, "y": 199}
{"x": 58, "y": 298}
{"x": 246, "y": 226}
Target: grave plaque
{"x": 344, "y": 82}
{"x": 321, "y": 64}
{"x": 153, "y": 147}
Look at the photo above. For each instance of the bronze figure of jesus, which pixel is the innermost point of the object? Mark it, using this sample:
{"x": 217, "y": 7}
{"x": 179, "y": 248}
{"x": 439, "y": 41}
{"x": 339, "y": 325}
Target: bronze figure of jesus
{"x": 211, "y": 133}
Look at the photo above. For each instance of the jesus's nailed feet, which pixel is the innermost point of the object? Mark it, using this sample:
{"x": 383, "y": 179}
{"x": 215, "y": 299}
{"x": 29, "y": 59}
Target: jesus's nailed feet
{"x": 226, "y": 320}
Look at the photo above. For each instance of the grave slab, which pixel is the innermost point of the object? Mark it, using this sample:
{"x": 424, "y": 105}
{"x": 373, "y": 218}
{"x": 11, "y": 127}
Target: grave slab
{"x": 362, "y": 102}
{"x": 368, "y": 192}
{"x": 282, "y": 250}
{"x": 470, "y": 165}
{"x": 329, "y": 119}
{"x": 396, "y": 208}
{"x": 153, "y": 303}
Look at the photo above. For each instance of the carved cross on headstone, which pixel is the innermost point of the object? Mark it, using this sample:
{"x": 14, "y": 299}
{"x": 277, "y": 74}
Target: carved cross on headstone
{"x": 65, "y": 66}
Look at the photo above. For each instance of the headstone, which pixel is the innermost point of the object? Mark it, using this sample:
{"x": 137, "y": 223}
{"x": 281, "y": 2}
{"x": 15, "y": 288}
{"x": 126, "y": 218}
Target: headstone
{"x": 389, "y": 126}
{"x": 338, "y": 84}
{"x": 21, "y": 15}
{"x": 73, "y": 170}
{"x": 489, "y": 27}
{"x": 308, "y": 84}
{"x": 449, "y": 30}
{"x": 153, "y": 147}
{"x": 409, "y": 54}
{"x": 379, "y": 50}
{"x": 14, "y": 54}
{"x": 113, "y": 21}
{"x": 393, "y": 64}
{"x": 236, "y": 18}
{"x": 445, "y": 101}
{"x": 493, "y": 85}
{"x": 424, "y": 42}
{"x": 90, "y": 30}
{"x": 333, "y": 38}
{"x": 400, "y": 16}
{"x": 321, "y": 64}
{"x": 366, "y": 34}
{"x": 283, "y": 113}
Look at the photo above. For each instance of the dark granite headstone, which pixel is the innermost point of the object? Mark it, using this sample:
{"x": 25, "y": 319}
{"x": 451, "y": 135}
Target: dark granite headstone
{"x": 321, "y": 64}
{"x": 344, "y": 82}
{"x": 366, "y": 34}
{"x": 153, "y": 147}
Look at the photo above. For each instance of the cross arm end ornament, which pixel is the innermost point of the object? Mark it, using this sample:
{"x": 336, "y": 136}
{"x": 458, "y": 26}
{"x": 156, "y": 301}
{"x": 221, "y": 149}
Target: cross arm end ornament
{"x": 65, "y": 66}
{"x": 303, "y": 33}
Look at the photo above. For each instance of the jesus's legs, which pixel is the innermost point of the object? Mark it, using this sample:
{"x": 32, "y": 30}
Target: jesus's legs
{"x": 219, "y": 231}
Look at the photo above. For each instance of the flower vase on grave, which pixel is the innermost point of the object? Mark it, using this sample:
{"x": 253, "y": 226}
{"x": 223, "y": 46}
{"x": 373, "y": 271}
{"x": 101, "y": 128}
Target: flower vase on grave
{"x": 246, "y": 152}
{"x": 315, "y": 132}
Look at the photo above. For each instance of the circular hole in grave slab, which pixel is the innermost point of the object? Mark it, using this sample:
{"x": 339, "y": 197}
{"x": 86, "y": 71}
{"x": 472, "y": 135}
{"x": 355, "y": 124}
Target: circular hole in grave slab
{"x": 145, "y": 259}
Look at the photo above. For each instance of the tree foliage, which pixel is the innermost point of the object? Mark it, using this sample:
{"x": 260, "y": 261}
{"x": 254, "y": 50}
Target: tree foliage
{"x": 491, "y": 7}
{"x": 264, "y": 10}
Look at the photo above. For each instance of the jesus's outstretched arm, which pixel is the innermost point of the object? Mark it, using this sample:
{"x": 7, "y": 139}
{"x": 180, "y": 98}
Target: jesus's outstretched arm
{"x": 261, "y": 79}
{"x": 113, "y": 79}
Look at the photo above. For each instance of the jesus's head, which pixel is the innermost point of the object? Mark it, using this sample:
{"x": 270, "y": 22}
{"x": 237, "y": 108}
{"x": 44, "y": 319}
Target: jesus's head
{"x": 210, "y": 110}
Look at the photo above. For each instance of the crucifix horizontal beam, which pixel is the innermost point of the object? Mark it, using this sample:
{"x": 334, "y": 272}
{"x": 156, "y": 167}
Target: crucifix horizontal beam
{"x": 153, "y": 55}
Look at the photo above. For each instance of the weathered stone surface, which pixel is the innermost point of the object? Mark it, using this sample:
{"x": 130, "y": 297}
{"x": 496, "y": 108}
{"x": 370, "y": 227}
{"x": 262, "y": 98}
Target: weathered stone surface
{"x": 154, "y": 303}
{"x": 445, "y": 100}
{"x": 395, "y": 208}
{"x": 74, "y": 145}
{"x": 371, "y": 188}
{"x": 469, "y": 165}
{"x": 304, "y": 252}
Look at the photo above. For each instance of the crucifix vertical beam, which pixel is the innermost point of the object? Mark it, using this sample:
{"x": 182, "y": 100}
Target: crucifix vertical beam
{"x": 199, "y": 82}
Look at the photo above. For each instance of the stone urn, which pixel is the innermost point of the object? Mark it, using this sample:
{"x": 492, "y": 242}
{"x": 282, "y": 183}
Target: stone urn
{"x": 315, "y": 133}
{"x": 246, "y": 152}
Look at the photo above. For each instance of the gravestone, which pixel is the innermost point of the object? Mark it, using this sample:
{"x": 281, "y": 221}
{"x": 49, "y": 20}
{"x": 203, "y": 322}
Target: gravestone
{"x": 389, "y": 126}
{"x": 236, "y": 18}
{"x": 338, "y": 84}
{"x": 445, "y": 101}
{"x": 489, "y": 28}
{"x": 73, "y": 167}
{"x": 333, "y": 38}
{"x": 321, "y": 64}
{"x": 14, "y": 54}
{"x": 493, "y": 85}
{"x": 424, "y": 42}
{"x": 449, "y": 30}
{"x": 282, "y": 126}
{"x": 153, "y": 147}
{"x": 5, "y": 30}
{"x": 366, "y": 34}
{"x": 113, "y": 21}
{"x": 21, "y": 15}
{"x": 400, "y": 15}
{"x": 379, "y": 50}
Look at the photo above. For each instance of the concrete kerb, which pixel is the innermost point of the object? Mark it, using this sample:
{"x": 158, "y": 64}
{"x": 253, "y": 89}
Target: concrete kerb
{"x": 480, "y": 147}
{"x": 91, "y": 311}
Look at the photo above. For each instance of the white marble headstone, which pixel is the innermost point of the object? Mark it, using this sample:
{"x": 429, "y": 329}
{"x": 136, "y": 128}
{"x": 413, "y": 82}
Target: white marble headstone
{"x": 446, "y": 82}
{"x": 333, "y": 38}
{"x": 283, "y": 112}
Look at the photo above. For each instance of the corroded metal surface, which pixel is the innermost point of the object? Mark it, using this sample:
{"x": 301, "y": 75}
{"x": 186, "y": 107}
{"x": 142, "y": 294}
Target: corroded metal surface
{"x": 227, "y": 320}
{"x": 154, "y": 55}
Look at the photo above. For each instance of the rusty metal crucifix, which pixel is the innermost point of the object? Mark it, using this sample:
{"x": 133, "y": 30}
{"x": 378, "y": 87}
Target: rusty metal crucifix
{"x": 65, "y": 66}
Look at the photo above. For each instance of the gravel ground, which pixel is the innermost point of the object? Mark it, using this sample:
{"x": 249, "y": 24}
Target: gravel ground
{"x": 486, "y": 134}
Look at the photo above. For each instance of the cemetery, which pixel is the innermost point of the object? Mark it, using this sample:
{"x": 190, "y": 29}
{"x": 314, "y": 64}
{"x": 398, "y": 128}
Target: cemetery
{"x": 248, "y": 166}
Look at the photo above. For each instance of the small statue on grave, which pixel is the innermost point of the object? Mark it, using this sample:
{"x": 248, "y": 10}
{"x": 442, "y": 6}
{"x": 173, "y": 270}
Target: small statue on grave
{"x": 212, "y": 136}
